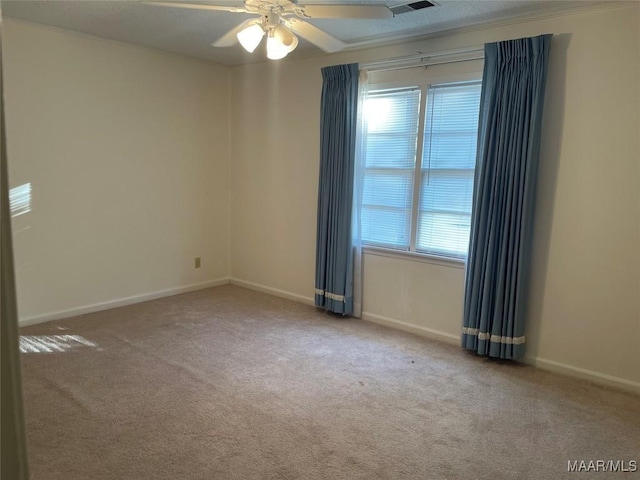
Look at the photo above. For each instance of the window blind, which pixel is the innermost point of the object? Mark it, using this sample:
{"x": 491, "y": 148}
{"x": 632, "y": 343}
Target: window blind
{"x": 448, "y": 163}
{"x": 391, "y": 139}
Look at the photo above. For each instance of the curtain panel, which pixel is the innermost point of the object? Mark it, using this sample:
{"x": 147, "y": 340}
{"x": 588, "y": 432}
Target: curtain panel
{"x": 497, "y": 273}
{"x": 13, "y": 454}
{"x": 334, "y": 249}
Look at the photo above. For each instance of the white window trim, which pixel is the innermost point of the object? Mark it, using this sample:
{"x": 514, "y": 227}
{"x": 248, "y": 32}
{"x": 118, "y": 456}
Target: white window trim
{"x": 451, "y": 262}
{"x": 422, "y": 81}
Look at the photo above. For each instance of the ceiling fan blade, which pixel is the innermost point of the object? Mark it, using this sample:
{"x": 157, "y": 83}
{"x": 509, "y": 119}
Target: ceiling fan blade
{"x": 346, "y": 11}
{"x": 197, "y": 6}
{"x": 316, "y": 36}
{"x": 230, "y": 38}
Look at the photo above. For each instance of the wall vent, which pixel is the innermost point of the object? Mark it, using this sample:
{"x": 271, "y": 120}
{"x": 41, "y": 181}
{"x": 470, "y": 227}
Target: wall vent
{"x": 411, "y": 7}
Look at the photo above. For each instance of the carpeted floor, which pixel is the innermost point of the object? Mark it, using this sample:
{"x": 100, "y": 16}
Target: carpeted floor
{"x": 228, "y": 383}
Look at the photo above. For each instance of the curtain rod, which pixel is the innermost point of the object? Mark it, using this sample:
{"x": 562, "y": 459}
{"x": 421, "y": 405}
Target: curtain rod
{"x": 424, "y": 59}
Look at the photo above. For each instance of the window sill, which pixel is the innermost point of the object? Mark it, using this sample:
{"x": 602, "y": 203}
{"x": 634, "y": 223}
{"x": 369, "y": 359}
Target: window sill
{"x": 414, "y": 257}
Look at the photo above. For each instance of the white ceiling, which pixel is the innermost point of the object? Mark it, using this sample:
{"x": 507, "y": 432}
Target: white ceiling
{"x": 191, "y": 32}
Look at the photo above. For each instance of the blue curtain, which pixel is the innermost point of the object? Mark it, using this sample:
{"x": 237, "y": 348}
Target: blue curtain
{"x": 504, "y": 194}
{"x": 334, "y": 252}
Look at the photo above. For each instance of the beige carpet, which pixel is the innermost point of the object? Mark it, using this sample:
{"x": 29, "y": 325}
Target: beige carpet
{"x": 227, "y": 383}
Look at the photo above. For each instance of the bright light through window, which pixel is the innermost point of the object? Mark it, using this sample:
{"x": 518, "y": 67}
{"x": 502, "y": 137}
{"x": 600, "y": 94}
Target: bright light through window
{"x": 376, "y": 111}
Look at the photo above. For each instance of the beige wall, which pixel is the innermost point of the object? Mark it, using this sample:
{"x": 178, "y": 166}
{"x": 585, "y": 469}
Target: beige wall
{"x": 585, "y": 313}
{"x": 126, "y": 150}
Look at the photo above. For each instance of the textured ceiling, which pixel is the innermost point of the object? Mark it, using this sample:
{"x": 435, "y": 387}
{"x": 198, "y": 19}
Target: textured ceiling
{"x": 191, "y": 32}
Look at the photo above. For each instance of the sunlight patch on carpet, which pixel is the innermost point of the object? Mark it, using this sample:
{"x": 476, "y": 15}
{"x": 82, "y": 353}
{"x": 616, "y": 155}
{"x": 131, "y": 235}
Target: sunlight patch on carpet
{"x": 53, "y": 343}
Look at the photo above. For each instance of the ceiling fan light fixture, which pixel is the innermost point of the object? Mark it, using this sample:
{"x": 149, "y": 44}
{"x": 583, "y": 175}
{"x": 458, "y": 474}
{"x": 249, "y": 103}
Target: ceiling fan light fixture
{"x": 280, "y": 19}
{"x": 250, "y": 37}
{"x": 280, "y": 42}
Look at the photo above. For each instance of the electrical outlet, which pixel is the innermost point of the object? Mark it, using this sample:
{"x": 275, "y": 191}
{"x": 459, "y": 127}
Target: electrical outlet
{"x": 197, "y": 262}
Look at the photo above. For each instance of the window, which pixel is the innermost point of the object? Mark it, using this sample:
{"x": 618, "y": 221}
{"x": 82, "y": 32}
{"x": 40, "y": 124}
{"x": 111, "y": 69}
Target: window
{"x": 420, "y": 149}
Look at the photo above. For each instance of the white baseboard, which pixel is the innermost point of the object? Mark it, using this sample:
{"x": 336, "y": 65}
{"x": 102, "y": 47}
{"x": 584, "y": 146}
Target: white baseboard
{"x": 576, "y": 372}
{"x": 273, "y": 291}
{"x": 543, "y": 364}
{"x": 411, "y": 328}
{"x": 119, "y": 302}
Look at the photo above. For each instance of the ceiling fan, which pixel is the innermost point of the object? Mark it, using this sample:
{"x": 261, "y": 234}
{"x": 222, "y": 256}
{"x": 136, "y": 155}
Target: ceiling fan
{"x": 279, "y": 19}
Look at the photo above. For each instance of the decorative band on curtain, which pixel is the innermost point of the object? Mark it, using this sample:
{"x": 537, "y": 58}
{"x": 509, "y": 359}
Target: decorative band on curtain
{"x": 334, "y": 250}
{"x": 497, "y": 271}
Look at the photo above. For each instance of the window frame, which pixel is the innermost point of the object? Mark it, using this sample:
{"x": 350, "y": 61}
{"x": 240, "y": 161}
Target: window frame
{"x": 422, "y": 80}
